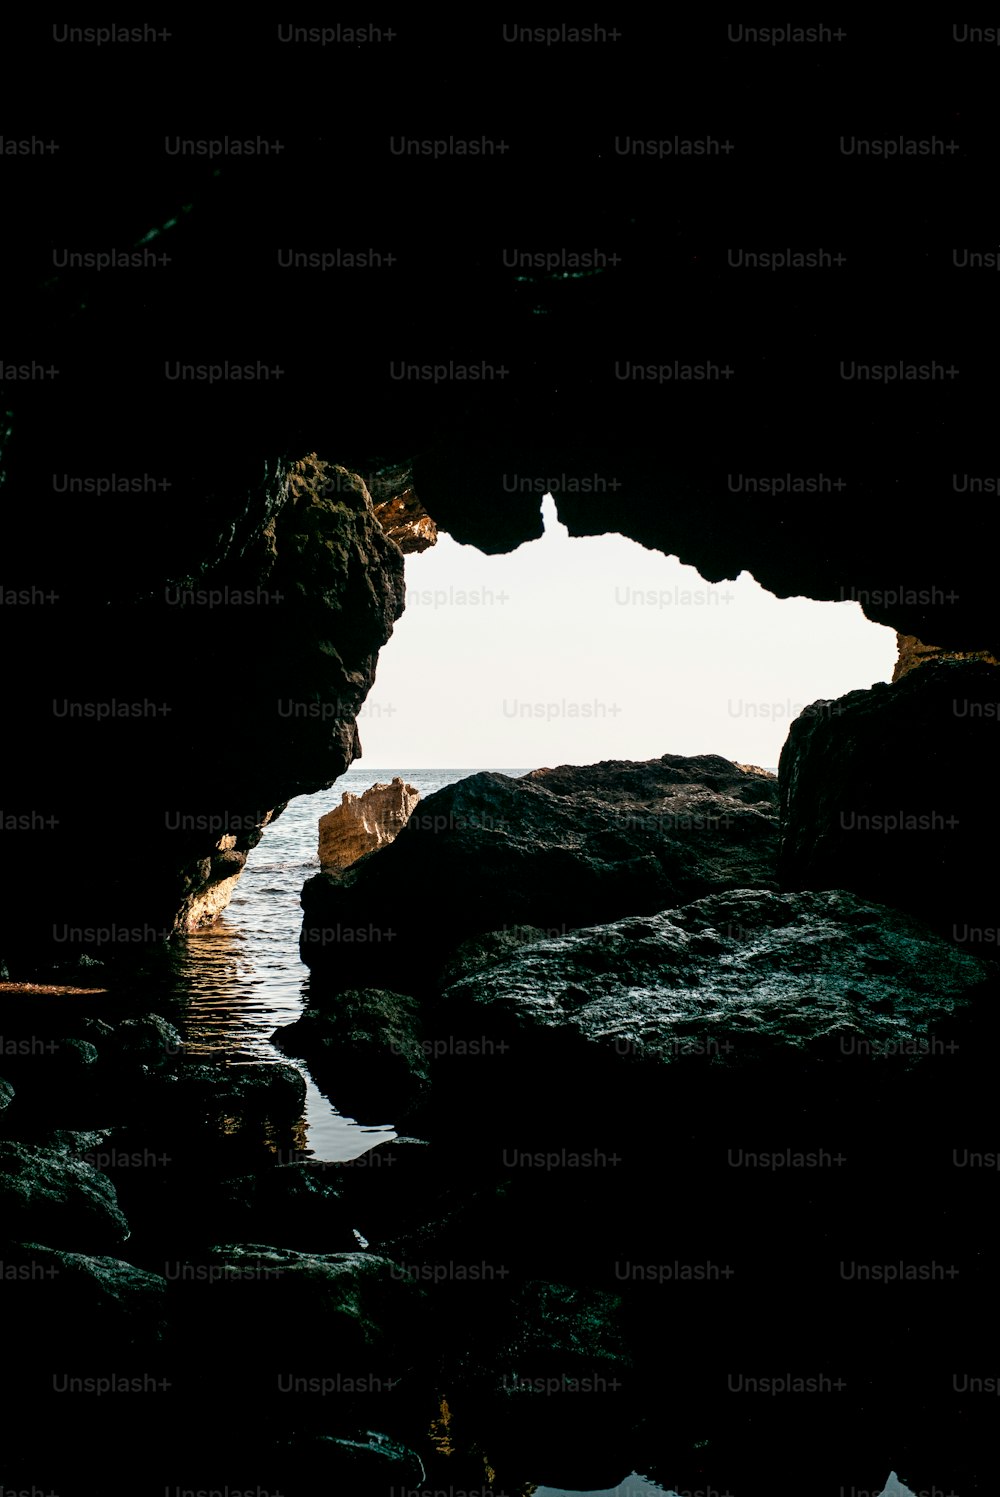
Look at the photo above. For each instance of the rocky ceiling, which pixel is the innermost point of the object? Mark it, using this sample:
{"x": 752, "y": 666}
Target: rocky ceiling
{"x": 555, "y": 308}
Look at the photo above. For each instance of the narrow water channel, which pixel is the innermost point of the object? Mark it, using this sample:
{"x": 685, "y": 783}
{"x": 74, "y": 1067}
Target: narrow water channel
{"x": 237, "y": 981}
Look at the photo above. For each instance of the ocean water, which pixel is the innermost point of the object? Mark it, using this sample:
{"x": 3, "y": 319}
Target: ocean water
{"x": 241, "y": 978}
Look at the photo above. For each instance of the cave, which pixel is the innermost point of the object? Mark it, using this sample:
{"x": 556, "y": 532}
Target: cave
{"x": 682, "y": 1063}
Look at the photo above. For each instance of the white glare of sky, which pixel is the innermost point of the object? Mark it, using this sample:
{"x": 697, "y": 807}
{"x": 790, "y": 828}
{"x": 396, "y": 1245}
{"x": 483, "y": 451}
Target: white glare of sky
{"x": 567, "y": 651}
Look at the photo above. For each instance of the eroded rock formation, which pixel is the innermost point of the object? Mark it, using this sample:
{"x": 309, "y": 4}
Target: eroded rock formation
{"x": 913, "y": 652}
{"x": 400, "y": 512}
{"x": 364, "y": 823}
{"x": 556, "y": 849}
{"x": 296, "y": 593}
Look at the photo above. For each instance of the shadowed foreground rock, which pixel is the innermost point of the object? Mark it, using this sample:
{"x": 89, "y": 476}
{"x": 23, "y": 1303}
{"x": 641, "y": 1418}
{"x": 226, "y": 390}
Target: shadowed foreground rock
{"x": 365, "y": 1048}
{"x": 68, "y": 1303}
{"x": 301, "y": 572}
{"x": 556, "y": 849}
{"x": 48, "y": 1196}
{"x": 884, "y": 792}
{"x": 712, "y": 1005}
{"x": 288, "y": 1311}
{"x": 364, "y": 823}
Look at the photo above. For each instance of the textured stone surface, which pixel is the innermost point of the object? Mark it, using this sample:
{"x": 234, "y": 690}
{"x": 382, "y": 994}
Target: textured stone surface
{"x": 401, "y": 514}
{"x": 297, "y": 589}
{"x": 349, "y": 1312}
{"x": 246, "y": 1091}
{"x": 364, "y": 823}
{"x": 746, "y": 991}
{"x": 555, "y": 849}
{"x": 72, "y": 1303}
{"x": 883, "y": 791}
{"x": 364, "y": 1049}
{"x": 913, "y": 652}
{"x": 148, "y": 1039}
{"x": 48, "y": 1196}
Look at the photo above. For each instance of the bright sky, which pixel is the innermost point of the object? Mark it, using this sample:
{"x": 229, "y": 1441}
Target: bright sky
{"x": 567, "y": 651}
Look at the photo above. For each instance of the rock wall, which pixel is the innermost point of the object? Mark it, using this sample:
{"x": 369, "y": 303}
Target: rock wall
{"x": 364, "y": 823}
{"x": 913, "y": 652}
{"x": 180, "y": 710}
{"x": 885, "y": 792}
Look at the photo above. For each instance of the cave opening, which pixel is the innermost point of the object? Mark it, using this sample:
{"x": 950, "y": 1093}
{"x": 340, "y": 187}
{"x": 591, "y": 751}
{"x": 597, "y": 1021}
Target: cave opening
{"x": 564, "y": 651}
{"x": 576, "y": 649}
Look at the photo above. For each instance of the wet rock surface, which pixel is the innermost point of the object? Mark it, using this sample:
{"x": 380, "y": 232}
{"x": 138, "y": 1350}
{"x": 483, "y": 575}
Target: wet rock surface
{"x": 745, "y": 998}
{"x": 604, "y": 1115}
{"x": 147, "y": 1040}
{"x": 776, "y": 973}
{"x": 243, "y": 1091}
{"x": 48, "y": 1196}
{"x": 366, "y": 1048}
{"x": 555, "y": 849}
{"x": 69, "y": 1302}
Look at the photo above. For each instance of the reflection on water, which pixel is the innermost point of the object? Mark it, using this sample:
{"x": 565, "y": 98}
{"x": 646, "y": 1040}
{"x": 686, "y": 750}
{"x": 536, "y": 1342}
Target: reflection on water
{"x": 241, "y": 978}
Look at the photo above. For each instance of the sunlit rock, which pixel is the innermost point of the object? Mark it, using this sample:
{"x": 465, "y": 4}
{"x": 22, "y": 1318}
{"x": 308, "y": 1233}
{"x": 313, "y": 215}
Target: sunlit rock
{"x": 364, "y": 823}
{"x": 913, "y": 652}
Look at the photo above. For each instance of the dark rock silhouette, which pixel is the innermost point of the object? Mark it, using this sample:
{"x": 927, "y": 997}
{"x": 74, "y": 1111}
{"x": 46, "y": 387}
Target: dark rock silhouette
{"x": 555, "y": 849}
{"x": 882, "y": 792}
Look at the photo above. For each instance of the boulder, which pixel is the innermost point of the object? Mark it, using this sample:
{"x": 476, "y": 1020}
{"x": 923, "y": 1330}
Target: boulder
{"x": 246, "y": 1091}
{"x": 146, "y": 1040}
{"x": 289, "y": 1312}
{"x": 556, "y": 849}
{"x": 884, "y": 792}
{"x": 365, "y": 1050}
{"x": 740, "y": 999}
{"x": 48, "y": 1196}
{"x": 68, "y": 1303}
{"x": 364, "y": 823}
